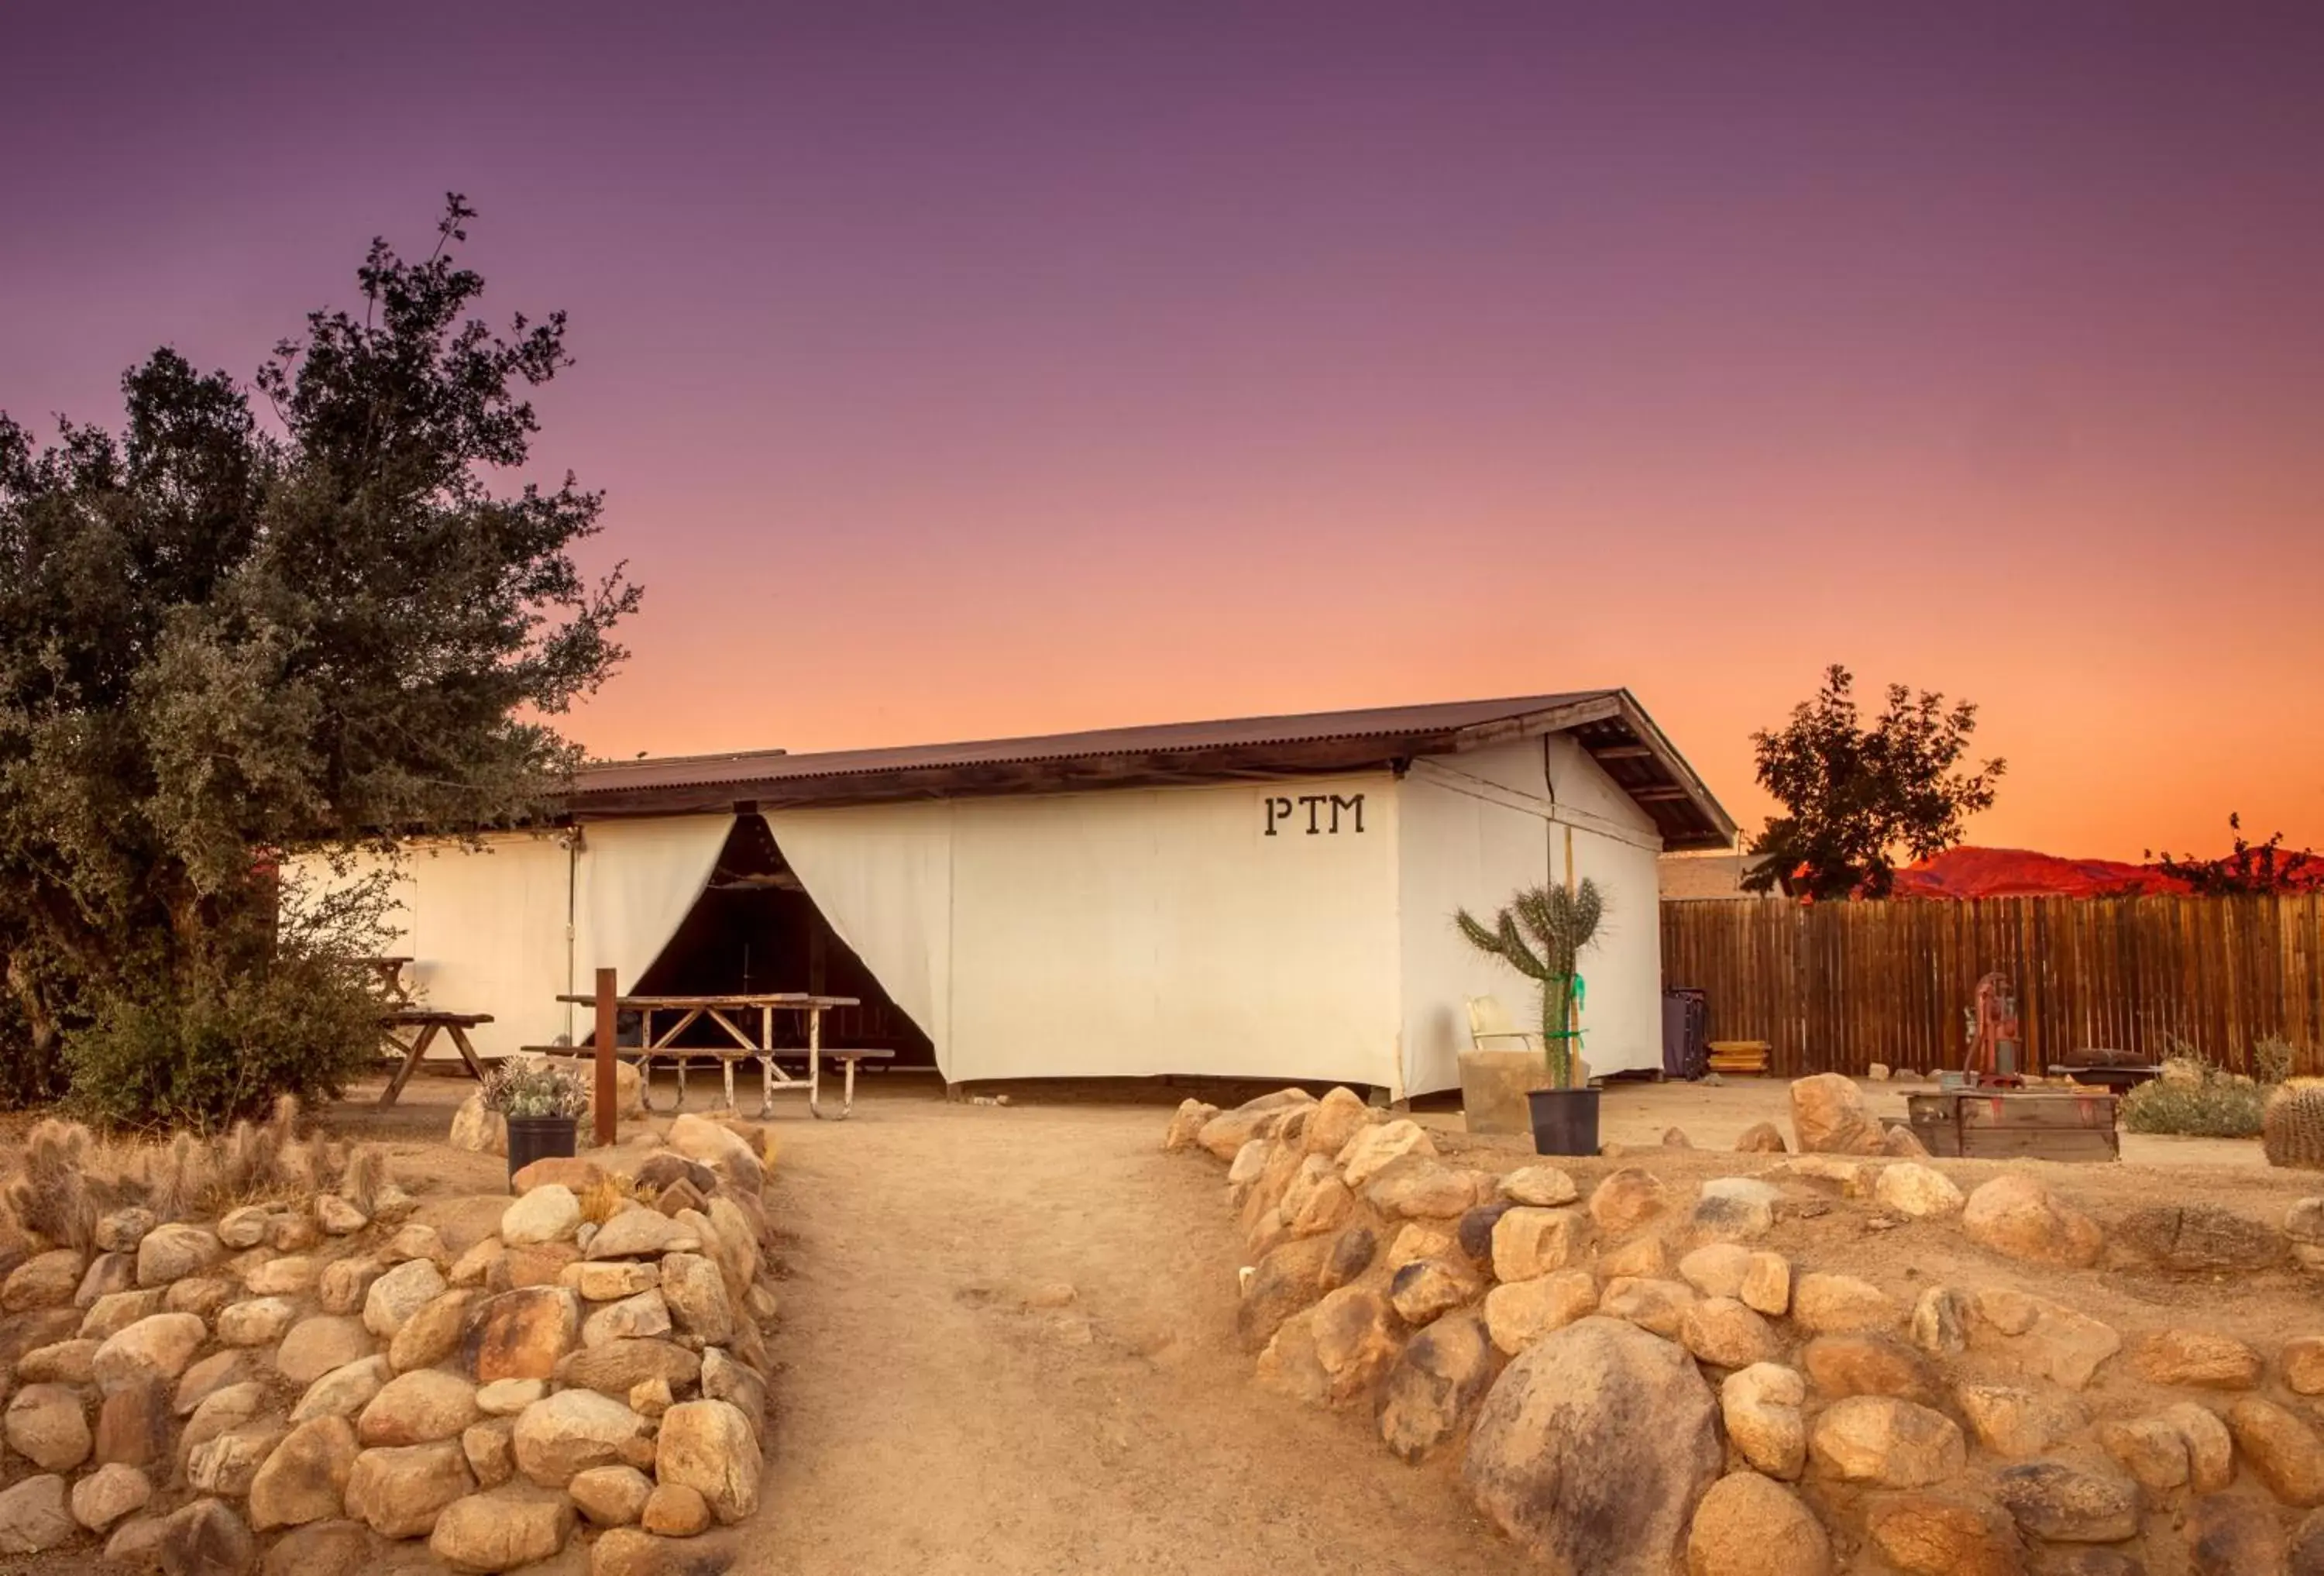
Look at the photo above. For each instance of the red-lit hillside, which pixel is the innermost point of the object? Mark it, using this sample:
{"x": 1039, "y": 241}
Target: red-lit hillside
{"x": 2017, "y": 872}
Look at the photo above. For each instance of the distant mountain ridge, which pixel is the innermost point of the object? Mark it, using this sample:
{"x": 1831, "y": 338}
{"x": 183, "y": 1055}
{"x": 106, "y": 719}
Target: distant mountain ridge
{"x": 2018, "y": 872}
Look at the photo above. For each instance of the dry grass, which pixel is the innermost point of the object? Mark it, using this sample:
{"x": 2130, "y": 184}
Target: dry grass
{"x": 70, "y": 1176}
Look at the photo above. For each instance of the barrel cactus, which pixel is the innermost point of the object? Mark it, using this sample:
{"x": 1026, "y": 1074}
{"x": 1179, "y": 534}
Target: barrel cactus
{"x": 2292, "y": 1127}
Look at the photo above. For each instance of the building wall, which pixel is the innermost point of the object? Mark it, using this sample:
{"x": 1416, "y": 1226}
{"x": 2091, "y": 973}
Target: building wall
{"x": 1476, "y": 828}
{"x": 1142, "y": 932}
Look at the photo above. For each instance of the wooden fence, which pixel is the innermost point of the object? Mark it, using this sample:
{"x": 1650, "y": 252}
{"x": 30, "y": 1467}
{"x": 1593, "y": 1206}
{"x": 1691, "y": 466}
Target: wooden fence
{"x": 1833, "y": 987}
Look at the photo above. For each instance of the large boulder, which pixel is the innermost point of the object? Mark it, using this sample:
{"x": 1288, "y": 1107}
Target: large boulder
{"x": 109, "y": 1494}
{"x": 2069, "y": 1502}
{"x": 2281, "y": 1448}
{"x": 614, "y": 1496}
{"x": 1560, "y": 1460}
{"x": 1435, "y": 1381}
{"x": 2017, "y": 1217}
{"x": 522, "y": 1334}
{"x": 1751, "y": 1526}
{"x": 317, "y": 1345}
{"x": 395, "y": 1297}
{"x": 1337, "y": 1118}
{"x": 1841, "y": 1305}
{"x": 2018, "y": 1424}
{"x": 1867, "y": 1363}
{"x": 571, "y": 1432}
{"x": 45, "y": 1280}
{"x": 1375, "y": 1148}
{"x": 132, "y": 1424}
{"x": 306, "y": 1478}
{"x": 1528, "y": 1242}
{"x": 1627, "y": 1200}
{"x": 1884, "y": 1441}
{"x": 344, "y": 1391}
{"x": 400, "y": 1490}
{"x": 708, "y": 1446}
{"x": 158, "y": 1346}
{"x": 2042, "y": 1336}
{"x": 47, "y": 1425}
{"x": 619, "y": 1366}
{"x": 1229, "y": 1132}
{"x": 170, "y": 1253}
{"x": 501, "y": 1530}
{"x": 718, "y": 1147}
{"x": 2210, "y": 1447}
{"x": 35, "y": 1515}
{"x": 1922, "y": 1192}
{"x": 1828, "y": 1117}
{"x": 477, "y": 1129}
{"x": 1185, "y": 1122}
{"x": 1286, "y": 1280}
{"x": 1760, "y": 1406}
{"x": 1942, "y": 1533}
{"x": 548, "y": 1213}
{"x": 1520, "y": 1313}
{"x": 2201, "y": 1358}
{"x": 640, "y": 1233}
{"x": 418, "y": 1408}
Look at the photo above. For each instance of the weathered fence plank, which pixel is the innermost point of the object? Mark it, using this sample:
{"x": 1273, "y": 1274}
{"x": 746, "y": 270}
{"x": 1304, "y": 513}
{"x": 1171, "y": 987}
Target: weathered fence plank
{"x": 1833, "y": 987}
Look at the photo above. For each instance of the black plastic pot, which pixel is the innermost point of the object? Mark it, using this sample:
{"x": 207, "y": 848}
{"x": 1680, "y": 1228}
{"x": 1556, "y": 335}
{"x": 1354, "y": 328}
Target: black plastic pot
{"x": 539, "y": 1138}
{"x": 1564, "y": 1121}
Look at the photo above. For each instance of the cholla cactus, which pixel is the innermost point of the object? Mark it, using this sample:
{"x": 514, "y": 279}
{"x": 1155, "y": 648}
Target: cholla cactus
{"x": 2292, "y": 1128}
{"x": 1560, "y": 923}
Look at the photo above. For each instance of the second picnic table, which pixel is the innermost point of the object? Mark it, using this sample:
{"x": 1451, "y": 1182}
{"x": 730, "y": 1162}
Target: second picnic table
{"x": 749, "y": 1022}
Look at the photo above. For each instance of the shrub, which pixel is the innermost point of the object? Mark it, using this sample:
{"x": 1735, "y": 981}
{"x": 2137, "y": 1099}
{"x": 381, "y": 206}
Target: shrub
{"x": 216, "y": 1051}
{"x": 2194, "y": 1099}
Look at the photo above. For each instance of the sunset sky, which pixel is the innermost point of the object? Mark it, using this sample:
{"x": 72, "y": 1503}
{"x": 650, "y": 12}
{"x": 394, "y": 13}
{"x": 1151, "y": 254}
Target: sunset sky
{"x": 962, "y": 370}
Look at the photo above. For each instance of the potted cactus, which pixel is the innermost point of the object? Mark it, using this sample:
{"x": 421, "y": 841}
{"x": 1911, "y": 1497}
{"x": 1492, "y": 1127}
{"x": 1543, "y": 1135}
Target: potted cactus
{"x": 542, "y": 1100}
{"x": 1541, "y": 934}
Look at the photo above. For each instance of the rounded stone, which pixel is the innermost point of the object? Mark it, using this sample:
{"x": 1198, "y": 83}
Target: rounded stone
{"x": 1750, "y": 1526}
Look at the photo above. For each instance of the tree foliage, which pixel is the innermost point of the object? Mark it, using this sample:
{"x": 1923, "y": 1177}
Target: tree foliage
{"x": 1541, "y": 934}
{"x": 2248, "y": 868}
{"x": 1854, "y": 795}
{"x": 222, "y": 636}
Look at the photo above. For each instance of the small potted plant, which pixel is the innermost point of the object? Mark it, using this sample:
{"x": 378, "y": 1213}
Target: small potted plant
{"x": 542, "y": 1102}
{"x": 1540, "y": 935}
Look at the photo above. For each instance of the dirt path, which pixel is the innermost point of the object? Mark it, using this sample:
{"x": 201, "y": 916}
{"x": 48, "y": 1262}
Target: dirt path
{"x": 932, "y": 1418}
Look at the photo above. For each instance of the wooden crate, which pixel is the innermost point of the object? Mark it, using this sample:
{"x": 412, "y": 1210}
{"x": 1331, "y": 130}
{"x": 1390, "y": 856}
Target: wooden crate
{"x": 2037, "y": 1124}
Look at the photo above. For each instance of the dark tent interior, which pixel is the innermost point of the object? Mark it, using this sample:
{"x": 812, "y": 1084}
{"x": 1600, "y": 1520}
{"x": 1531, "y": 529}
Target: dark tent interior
{"x": 755, "y": 930}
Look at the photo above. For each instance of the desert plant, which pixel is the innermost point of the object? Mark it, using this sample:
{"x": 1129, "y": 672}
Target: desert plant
{"x": 1560, "y": 923}
{"x": 365, "y": 1177}
{"x": 51, "y": 1198}
{"x": 2195, "y": 1098}
{"x": 2271, "y": 1058}
{"x": 2291, "y": 1128}
{"x": 535, "y": 1088}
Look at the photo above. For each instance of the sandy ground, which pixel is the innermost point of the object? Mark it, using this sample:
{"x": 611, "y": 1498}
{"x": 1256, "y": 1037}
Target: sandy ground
{"x": 930, "y": 1420}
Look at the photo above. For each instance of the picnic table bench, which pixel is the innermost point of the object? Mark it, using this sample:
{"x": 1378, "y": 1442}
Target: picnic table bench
{"x": 749, "y": 1022}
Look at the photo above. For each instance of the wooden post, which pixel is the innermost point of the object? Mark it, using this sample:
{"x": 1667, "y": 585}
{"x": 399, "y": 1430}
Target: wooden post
{"x": 605, "y": 1096}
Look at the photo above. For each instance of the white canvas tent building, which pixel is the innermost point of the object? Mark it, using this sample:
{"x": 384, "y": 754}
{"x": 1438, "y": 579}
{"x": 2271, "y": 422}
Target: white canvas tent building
{"x": 1261, "y": 897}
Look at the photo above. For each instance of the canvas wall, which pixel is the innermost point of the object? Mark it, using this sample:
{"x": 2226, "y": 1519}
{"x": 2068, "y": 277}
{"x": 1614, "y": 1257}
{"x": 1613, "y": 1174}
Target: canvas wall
{"x": 1475, "y": 828}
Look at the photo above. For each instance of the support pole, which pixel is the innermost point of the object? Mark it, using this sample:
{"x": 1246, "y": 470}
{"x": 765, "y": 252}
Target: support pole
{"x": 605, "y": 1097}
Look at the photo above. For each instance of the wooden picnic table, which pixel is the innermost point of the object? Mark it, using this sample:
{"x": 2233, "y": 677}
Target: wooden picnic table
{"x": 389, "y": 971}
{"x": 430, "y": 1023}
{"x": 749, "y": 1022}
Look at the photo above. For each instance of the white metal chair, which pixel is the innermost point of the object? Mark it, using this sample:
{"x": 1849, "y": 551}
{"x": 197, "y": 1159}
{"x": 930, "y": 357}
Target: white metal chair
{"x": 1490, "y": 1028}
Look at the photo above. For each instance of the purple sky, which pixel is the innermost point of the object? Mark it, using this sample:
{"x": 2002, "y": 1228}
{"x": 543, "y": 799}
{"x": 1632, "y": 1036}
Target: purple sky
{"x": 959, "y": 370}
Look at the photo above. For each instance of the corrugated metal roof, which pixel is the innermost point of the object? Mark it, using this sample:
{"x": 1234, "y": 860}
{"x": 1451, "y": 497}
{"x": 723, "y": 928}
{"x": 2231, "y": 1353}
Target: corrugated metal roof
{"x": 1165, "y": 738}
{"x": 1229, "y": 749}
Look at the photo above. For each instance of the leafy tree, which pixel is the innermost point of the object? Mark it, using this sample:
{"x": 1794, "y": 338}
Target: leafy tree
{"x": 1853, "y": 795}
{"x": 2249, "y": 868}
{"x": 1559, "y": 923}
{"x": 222, "y": 636}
